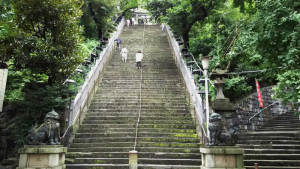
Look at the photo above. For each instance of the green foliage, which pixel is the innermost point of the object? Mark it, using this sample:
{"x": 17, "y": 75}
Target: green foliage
{"x": 236, "y": 88}
{"x": 125, "y": 5}
{"x": 288, "y": 87}
{"x": 271, "y": 41}
{"x": 97, "y": 17}
{"x": 33, "y": 109}
{"x": 158, "y": 8}
{"x": 6, "y": 15}
{"x": 88, "y": 46}
{"x": 46, "y": 37}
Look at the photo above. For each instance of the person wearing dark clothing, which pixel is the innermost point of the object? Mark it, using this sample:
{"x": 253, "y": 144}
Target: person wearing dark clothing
{"x": 118, "y": 43}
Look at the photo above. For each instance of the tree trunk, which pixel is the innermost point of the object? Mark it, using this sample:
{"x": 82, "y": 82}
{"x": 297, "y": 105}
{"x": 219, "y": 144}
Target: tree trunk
{"x": 185, "y": 36}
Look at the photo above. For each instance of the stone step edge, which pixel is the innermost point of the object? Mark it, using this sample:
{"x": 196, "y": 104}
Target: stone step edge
{"x": 272, "y": 155}
{"x": 273, "y": 167}
{"x": 139, "y": 138}
{"x": 144, "y": 148}
{"x": 156, "y": 153}
{"x": 272, "y": 160}
{"x": 162, "y": 159}
{"x": 139, "y": 165}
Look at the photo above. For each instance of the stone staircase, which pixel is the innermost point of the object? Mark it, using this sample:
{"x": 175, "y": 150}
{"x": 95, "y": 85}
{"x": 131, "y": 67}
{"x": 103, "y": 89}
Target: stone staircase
{"x": 166, "y": 133}
{"x": 274, "y": 145}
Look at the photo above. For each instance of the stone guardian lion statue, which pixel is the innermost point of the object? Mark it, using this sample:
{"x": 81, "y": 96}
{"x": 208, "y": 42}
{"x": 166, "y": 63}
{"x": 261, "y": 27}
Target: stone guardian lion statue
{"x": 47, "y": 133}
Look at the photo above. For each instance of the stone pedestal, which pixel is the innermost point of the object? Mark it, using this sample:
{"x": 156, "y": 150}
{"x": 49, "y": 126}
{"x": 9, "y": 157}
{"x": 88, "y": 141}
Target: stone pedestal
{"x": 42, "y": 157}
{"x": 222, "y": 157}
{"x": 227, "y": 110}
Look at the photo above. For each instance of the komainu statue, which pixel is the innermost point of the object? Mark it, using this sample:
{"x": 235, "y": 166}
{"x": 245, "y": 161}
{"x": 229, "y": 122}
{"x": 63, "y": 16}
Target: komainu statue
{"x": 219, "y": 135}
{"x": 47, "y": 133}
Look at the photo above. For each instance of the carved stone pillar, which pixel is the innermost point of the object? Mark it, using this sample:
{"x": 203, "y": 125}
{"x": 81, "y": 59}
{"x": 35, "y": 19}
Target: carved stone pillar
{"x": 42, "y": 156}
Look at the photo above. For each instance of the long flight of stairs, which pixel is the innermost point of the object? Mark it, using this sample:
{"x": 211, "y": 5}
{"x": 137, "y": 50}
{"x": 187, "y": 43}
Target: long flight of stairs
{"x": 166, "y": 133}
{"x": 276, "y": 145}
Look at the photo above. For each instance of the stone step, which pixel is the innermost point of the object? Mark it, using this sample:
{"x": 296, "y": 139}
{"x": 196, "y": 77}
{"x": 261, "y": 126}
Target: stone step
{"x": 142, "y": 121}
{"x": 133, "y": 125}
{"x": 272, "y": 167}
{"x": 287, "y": 141}
{"x": 136, "y": 85}
{"x": 134, "y": 113}
{"x": 108, "y": 130}
{"x": 139, "y": 144}
{"x": 144, "y": 97}
{"x": 153, "y": 166}
{"x": 97, "y": 166}
{"x": 99, "y": 130}
{"x": 283, "y": 125}
{"x": 140, "y": 161}
{"x": 273, "y": 162}
{"x": 167, "y": 91}
{"x": 151, "y": 100}
{"x": 272, "y": 156}
{"x": 140, "y": 155}
{"x": 271, "y": 151}
{"x": 117, "y": 73}
{"x": 139, "y": 149}
{"x": 277, "y": 129}
{"x": 271, "y": 146}
{"x": 267, "y": 138}
{"x": 270, "y": 133}
{"x": 141, "y": 139}
{"x": 154, "y": 81}
{"x": 126, "y": 107}
{"x": 142, "y": 79}
{"x": 127, "y": 112}
{"x": 125, "y": 166}
{"x": 132, "y": 134}
{"x": 93, "y": 117}
{"x": 131, "y": 121}
{"x": 144, "y": 93}
{"x": 136, "y": 105}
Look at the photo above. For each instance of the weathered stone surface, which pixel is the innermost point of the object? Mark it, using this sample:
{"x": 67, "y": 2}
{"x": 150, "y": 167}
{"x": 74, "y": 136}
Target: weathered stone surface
{"x": 216, "y": 157}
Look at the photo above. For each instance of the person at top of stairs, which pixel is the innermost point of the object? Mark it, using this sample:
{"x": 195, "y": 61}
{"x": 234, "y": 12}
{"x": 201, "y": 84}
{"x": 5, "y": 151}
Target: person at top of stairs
{"x": 162, "y": 27}
{"x": 139, "y": 57}
{"x": 123, "y": 53}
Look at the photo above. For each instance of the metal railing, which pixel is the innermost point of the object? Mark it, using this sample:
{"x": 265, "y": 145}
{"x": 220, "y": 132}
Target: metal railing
{"x": 189, "y": 71}
{"x": 141, "y": 80}
{"x": 82, "y": 97}
{"x": 262, "y": 110}
{"x": 259, "y": 112}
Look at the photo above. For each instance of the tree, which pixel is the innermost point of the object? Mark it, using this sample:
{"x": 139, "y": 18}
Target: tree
{"x": 128, "y": 4}
{"x": 6, "y": 16}
{"x": 97, "y": 17}
{"x": 158, "y": 8}
{"x": 273, "y": 38}
{"x": 47, "y": 37}
{"x": 185, "y": 14}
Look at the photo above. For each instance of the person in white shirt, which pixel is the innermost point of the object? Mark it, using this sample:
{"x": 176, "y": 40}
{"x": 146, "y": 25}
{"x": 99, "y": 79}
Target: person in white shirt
{"x": 139, "y": 58}
{"x": 133, "y": 21}
{"x": 162, "y": 27}
{"x": 127, "y": 22}
{"x": 124, "y": 53}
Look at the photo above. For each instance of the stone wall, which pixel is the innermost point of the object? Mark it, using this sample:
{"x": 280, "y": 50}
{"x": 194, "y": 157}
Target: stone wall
{"x": 248, "y": 107}
{"x": 3, "y": 78}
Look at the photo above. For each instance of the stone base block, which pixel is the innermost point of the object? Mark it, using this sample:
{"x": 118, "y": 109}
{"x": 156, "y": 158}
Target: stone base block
{"x": 42, "y": 157}
{"x": 222, "y": 157}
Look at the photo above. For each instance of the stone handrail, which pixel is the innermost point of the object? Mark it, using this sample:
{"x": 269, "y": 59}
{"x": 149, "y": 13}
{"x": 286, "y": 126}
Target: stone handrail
{"x": 88, "y": 89}
{"x": 189, "y": 80}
